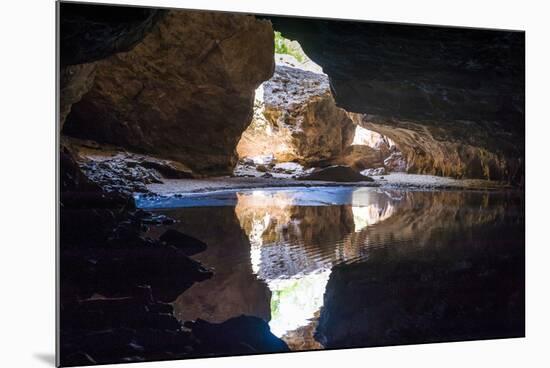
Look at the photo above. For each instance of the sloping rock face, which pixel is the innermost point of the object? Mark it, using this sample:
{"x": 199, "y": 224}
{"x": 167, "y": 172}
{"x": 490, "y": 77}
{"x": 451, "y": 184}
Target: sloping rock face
{"x": 297, "y": 120}
{"x": 451, "y": 80}
{"x": 185, "y": 92}
{"x": 449, "y": 149}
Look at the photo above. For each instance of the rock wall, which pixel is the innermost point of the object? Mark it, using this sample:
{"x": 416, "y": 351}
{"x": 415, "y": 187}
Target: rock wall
{"x": 449, "y": 81}
{"x": 297, "y": 120}
{"x": 455, "y": 150}
{"x": 185, "y": 92}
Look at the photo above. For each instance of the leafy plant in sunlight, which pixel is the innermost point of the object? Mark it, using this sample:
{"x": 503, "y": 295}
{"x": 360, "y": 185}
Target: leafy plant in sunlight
{"x": 288, "y": 47}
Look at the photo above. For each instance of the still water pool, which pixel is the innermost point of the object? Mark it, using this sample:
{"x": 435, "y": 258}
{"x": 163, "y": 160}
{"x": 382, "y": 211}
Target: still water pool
{"x": 343, "y": 266}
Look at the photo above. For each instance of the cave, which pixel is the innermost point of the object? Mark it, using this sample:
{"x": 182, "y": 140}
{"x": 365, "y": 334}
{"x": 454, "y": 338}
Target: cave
{"x": 240, "y": 184}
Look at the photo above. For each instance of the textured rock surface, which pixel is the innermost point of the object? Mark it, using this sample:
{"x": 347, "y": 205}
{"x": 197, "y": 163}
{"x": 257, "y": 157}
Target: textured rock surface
{"x": 92, "y": 32}
{"x": 461, "y": 150}
{"x": 297, "y": 120}
{"x": 450, "y": 80}
{"x": 360, "y": 157}
{"x": 116, "y": 170}
{"x": 185, "y": 92}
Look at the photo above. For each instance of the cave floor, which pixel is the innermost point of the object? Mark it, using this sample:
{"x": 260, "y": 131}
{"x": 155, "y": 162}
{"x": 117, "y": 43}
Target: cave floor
{"x": 393, "y": 181}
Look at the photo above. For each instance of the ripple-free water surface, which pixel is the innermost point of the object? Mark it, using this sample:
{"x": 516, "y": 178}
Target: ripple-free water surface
{"x": 273, "y": 250}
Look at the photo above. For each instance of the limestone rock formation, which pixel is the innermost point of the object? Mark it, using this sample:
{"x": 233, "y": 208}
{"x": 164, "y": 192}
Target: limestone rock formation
{"x": 454, "y": 81}
{"x": 448, "y": 149}
{"x": 360, "y": 157}
{"x": 297, "y": 120}
{"x": 185, "y": 92}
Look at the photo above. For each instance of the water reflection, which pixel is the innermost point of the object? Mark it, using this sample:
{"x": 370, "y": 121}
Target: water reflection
{"x": 274, "y": 251}
{"x": 296, "y": 238}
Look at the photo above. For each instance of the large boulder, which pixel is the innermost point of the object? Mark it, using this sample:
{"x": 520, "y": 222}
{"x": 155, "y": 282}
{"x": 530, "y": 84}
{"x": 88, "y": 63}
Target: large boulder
{"x": 337, "y": 173}
{"x": 296, "y": 119}
{"x": 185, "y": 92}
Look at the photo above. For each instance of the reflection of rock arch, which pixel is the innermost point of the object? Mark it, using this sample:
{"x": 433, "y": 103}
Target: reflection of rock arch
{"x": 294, "y": 245}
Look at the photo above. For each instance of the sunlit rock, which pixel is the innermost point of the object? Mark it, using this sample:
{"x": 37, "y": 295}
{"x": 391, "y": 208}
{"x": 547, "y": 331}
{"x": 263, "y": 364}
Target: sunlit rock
{"x": 296, "y": 120}
{"x": 449, "y": 149}
{"x": 185, "y": 92}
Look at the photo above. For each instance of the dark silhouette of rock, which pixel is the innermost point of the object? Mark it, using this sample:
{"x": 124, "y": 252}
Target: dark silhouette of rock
{"x": 336, "y": 173}
{"x": 90, "y": 32}
{"x": 187, "y": 244}
{"x": 239, "y": 335}
{"x": 129, "y": 329}
{"x": 114, "y": 272}
{"x": 447, "y": 289}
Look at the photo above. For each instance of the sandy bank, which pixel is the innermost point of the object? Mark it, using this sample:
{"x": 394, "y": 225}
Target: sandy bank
{"x": 394, "y": 181}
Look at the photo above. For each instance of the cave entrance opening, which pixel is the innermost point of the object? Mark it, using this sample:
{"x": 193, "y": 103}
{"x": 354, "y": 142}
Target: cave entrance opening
{"x": 279, "y": 142}
{"x": 297, "y": 126}
{"x": 373, "y": 153}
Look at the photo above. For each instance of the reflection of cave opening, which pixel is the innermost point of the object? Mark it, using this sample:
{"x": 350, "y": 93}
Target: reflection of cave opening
{"x": 290, "y": 251}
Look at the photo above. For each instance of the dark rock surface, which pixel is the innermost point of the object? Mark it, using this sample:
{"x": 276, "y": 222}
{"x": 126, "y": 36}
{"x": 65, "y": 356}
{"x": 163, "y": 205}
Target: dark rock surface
{"x": 238, "y": 335}
{"x": 90, "y": 32}
{"x": 465, "y": 85}
{"x": 465, "y": 285}
{"x": 336, "y": 173}
{"x": 133, "y": 328}
{"x": 187, "y": 244}
{"x": 419, "y": 73}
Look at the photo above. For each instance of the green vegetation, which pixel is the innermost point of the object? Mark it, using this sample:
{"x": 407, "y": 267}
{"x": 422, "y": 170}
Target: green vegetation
{"x": 288, "y": 47}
